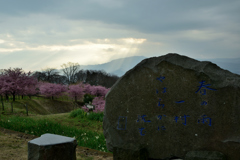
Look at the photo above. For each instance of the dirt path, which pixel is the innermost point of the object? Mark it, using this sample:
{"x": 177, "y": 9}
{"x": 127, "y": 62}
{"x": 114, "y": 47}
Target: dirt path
{"x": 14, "y": 146}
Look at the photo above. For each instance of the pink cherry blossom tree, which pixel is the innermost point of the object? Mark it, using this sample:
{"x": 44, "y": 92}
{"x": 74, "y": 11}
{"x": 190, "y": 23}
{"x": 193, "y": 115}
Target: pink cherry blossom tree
{"x": 85, "y": 108}
{"x": 95, "y": 90}
{"x": 76, "y": 91}
{"x": 52, "y": 90}
{"x": 29, "y": 87}
{"x": 15, "y": 80}
{"x": 99, "y": 103}
{"x": 1, "y": 91}
{"x": 1, "y": 84}
{"x": 87, "y": 88}
{"x": 98, "y": 90}
{"x": 30, "y": 91}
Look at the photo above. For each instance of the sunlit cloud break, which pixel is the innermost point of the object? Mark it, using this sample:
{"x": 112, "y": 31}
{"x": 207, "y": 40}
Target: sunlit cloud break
{"x": 119, "y": 44}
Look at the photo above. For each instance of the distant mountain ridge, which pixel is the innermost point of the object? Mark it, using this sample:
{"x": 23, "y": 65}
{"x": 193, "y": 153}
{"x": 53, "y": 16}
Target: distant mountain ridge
{"x": 120, "y": 66}
{"x": 117, "y": 67}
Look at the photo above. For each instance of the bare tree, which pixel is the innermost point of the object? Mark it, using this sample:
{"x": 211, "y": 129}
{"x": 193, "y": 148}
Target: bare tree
{"x": 70, "y": 69}
{"x": 1, "y": 71}
{"x": 39, "y": 76}
{"x": 50, "y": 74}
{"x": 81, "y": 76}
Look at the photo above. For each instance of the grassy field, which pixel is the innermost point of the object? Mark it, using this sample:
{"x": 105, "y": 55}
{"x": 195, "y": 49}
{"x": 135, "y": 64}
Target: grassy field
{"x": 56, "y": 117}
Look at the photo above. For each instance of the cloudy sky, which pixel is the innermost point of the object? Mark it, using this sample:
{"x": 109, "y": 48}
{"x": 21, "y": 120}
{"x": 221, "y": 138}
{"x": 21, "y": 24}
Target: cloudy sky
{"x": 38, "y": 34}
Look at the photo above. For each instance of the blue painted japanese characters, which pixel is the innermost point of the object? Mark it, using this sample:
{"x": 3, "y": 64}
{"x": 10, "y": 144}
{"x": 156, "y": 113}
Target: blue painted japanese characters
{"x": 171, "y": 105}
{"x": 202, "y": 89}
{"x": 122, "y": 123}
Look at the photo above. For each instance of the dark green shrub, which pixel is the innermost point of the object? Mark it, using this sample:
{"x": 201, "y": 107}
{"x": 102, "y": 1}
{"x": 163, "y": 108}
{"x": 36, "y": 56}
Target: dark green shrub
{"x": 88, "y": 98}
{"x": 96, "y": 116}
{"x": 78, "y": 113}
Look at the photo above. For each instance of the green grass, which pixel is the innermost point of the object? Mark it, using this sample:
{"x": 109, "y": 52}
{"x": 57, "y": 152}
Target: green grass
{"x": 79, "y": 113}
{"x": 95, "y": 116}
{"x": 85, "y": 138}
{"x": 18, "y": 107}
{"x": 86, "y": 128}
{"x": 40, "y": 106}
{"x": 78, "y": 121}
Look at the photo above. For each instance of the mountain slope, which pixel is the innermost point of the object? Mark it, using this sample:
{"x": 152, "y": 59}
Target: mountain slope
{"x": 118, "y": 66}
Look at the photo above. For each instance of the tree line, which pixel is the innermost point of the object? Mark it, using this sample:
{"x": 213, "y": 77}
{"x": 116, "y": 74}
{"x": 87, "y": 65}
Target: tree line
{"x": 72, "y": 74}
{"x": 75, "y": 83}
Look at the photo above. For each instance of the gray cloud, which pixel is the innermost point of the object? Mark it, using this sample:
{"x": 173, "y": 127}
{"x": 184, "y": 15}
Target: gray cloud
{"x": 146, "y": 16}
{"x": 195, "y": 28}
{"x": 162, "y": 16}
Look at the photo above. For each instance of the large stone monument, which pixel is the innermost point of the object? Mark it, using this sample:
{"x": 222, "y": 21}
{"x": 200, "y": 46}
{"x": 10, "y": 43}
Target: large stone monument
{"x": 172, "y": 105}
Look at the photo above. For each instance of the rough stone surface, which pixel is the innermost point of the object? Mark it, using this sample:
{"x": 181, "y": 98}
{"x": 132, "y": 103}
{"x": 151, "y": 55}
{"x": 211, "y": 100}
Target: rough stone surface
{"x": 173, "y": 104}
{"x": 204, "y": 155}
{"x": 52, "y": 147}
{"x": 138, "y": 154}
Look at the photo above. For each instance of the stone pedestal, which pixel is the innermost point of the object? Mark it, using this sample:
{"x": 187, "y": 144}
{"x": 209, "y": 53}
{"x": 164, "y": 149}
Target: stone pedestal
{"x": 52, "y": 147}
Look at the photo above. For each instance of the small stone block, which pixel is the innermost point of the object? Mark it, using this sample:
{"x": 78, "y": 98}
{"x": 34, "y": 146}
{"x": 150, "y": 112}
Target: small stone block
{"x": 52, "y": 147}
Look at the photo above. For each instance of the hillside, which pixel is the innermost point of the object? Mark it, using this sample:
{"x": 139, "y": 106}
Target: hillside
{"x": 40, "y": 106}
{"x": 117, "y": 66}
{"x": 54, "y": 117}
